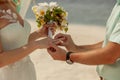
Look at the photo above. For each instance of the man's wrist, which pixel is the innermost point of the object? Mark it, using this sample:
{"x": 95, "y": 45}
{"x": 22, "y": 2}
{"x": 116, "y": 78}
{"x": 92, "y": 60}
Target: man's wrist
{"x": 72, "y": 49}
{"x": 68, "y": 60}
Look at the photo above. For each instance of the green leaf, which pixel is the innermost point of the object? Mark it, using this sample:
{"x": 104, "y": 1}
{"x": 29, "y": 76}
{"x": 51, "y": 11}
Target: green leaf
{"x": 66, "y": 29}
{"x": 39, "y": 25}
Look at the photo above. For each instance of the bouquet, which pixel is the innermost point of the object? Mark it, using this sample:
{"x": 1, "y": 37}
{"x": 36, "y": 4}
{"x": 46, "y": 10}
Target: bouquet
{"x": 51, "y": 13}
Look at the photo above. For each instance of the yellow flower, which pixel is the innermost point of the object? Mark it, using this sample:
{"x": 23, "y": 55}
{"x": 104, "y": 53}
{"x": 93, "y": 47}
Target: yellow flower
{"x": 34, "y": 9}
{"x": 37, "y": 15}
{"x": 64, "y": 15}
{"x": 64, "y": 23}
{"x": 43, "y": 18}
{"x": 42, "y": 21}
{"x": 42, "y": 12}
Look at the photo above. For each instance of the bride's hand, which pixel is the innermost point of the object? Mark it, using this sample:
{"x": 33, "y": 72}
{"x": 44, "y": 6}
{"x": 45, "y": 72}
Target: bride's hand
{"x": 44, "y": 43}
{"x": 44, "y": 30}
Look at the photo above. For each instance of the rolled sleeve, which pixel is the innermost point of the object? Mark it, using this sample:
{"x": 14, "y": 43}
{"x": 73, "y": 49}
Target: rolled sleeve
{"x": 115, "y": 36}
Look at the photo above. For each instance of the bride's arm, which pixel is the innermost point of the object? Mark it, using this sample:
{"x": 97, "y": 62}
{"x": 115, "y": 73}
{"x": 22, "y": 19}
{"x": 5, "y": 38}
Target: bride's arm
{"x": 11, "y": 56}
{"x": 43, "y": 32}
{"x": 38, "y": 34}
{"x": 8, "y": 57}
{"x": 35, "y": 35}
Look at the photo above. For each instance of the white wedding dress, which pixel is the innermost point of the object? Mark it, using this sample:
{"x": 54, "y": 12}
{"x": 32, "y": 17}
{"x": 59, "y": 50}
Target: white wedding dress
{"x": 14, "y": 36}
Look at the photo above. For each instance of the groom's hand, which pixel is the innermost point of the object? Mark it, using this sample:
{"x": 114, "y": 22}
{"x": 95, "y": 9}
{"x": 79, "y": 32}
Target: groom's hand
{"x": 56, "y": 52}
{"x": 65, "y": 40}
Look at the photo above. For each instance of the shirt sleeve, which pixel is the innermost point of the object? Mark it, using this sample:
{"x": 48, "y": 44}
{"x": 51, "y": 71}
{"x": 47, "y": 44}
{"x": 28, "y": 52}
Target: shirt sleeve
{"x": 115, "y": 35}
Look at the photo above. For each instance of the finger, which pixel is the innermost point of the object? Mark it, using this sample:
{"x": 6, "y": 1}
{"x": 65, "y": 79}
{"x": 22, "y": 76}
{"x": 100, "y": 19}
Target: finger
{"x": 53, "y": 24}
{"x": 45, "y": 25}
{"x": 51, "y": 49}
{"x": 53, "y": 31}
{"x": 59, "y": 42}
{"x": 45, "y": 28}
{"x": 52, "y": 44}
{"x": 59, "y": 36}
{"x": 64, "y": 39}
{"x": 52, "y": 54}
{"x": 52, "y": 28}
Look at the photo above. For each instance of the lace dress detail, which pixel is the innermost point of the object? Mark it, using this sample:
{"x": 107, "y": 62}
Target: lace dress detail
{"x": 8, "y": 15}
{"x": 14, "y": 36}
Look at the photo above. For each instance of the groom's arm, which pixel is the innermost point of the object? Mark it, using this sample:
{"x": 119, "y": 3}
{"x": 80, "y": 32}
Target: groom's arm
{"x": 83, "y": 48}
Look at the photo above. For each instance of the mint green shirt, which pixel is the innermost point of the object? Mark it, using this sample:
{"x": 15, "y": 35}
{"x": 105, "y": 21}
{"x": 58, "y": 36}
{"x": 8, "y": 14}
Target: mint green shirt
{"x": 112, "y": 71}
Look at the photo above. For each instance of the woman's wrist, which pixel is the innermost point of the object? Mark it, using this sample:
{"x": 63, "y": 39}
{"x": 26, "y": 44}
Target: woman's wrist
{"x": 33, "y": 36}
{"x": 34, "y": 44}
{"x": 40, "y": 44}
{"x": 38, "y": 33}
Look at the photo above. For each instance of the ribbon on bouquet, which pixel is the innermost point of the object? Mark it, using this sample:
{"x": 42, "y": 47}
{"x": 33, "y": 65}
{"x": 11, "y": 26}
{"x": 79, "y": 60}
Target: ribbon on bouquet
{"x": 49, "y": 32}
{"x": 49, "y": 29}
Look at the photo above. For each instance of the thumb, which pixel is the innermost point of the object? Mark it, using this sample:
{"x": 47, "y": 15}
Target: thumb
{"x": 52, "y": 48}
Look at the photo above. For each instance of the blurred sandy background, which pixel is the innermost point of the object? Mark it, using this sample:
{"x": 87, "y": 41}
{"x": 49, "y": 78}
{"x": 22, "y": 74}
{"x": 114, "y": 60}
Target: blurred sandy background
{"x": 87, "y": 19}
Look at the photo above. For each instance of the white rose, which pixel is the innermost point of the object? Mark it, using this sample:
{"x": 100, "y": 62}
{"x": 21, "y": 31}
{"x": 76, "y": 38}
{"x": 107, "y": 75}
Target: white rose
{"x": 53, "y": 4}
{"x": 43, "y": 4}
{"x": 34, "y": 8}
{"x": 64, "y": 23}
{"x": 42, "y": 8}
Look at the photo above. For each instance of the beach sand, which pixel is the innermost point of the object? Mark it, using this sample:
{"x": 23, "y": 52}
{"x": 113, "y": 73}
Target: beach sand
{"x": 49, "y": 69}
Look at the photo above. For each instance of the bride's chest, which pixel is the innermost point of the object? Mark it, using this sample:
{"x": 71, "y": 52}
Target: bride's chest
{"x": 14, "y": 35}
{"x": 12, "y": 30}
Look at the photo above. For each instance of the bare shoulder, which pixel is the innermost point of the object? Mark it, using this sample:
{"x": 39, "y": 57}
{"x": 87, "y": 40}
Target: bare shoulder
{"x": 3, "y": 22}
{"x": 7, "y": 17}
